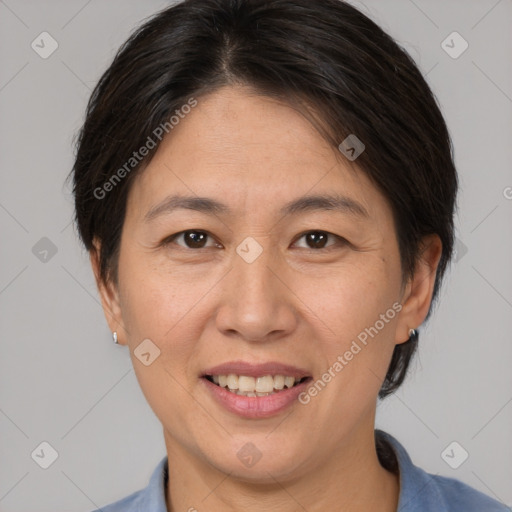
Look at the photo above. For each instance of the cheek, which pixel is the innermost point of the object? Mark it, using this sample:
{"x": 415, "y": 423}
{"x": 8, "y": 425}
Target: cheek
{"x": 352, "y": 298}
{"x": 158, "y": 307}
{"x": 162, "y": 309}
{"x": 157, "y": 299}
{"x": 359, "y": 309}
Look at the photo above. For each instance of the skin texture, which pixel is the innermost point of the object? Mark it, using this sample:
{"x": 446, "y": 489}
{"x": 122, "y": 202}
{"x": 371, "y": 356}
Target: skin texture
{"x": 295, "y": 304}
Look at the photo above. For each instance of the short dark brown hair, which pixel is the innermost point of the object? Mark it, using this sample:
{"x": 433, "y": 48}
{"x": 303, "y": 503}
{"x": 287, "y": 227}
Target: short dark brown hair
{"x": 324, "y": 55}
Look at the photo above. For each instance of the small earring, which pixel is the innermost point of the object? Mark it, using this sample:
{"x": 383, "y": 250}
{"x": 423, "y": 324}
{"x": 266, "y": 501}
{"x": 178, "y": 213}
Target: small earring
{"x": 114, "y": 337}
{"x": 412, "y": 333}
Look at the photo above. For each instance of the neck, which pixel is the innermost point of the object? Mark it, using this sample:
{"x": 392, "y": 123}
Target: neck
{"x": 351, "y": 479}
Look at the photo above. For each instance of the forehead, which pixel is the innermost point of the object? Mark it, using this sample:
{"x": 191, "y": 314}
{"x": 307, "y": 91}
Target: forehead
{"x": 249, "y": 150}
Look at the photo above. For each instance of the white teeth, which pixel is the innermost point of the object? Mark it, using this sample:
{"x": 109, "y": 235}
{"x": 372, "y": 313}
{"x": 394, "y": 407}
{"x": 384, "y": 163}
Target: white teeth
{"x": 279, "y": 382}
{"x": 265, "y": 384}
{"x": 246, "y": 384}
{"x": 250, "y": 386}
{"x": 232, "y": 381}
{"x": 289, "y": 382}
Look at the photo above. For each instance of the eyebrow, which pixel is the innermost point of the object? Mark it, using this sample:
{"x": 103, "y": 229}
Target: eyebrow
{"x": 210, "y": 206}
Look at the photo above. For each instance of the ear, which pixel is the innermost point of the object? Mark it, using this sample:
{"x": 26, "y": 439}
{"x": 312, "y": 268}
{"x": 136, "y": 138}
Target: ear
{"x": 417, "y": 296}
{"x": 109, "y": 295}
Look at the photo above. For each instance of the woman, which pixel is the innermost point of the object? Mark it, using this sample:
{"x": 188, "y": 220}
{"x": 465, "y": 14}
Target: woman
{"x": 266, "y": 190}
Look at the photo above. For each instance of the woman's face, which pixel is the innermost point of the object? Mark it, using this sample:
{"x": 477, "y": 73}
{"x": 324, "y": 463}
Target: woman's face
{"x": 264, "y": 283}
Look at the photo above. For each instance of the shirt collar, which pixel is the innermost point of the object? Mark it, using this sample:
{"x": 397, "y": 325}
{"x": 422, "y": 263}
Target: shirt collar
{"x": 418, "y": 490}
{"x": 153, "y": 496}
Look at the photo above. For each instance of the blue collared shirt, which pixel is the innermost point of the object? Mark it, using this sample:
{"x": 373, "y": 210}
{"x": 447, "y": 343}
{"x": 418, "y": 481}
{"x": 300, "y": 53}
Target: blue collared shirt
{"x": 419, "y": 491}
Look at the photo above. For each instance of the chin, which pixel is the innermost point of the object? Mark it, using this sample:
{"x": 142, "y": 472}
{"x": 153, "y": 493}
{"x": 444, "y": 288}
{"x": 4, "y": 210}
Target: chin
{"x": 258, "y": 462}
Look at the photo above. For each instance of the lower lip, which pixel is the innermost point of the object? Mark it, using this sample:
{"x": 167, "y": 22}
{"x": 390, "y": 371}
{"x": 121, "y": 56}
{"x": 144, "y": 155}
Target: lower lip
{"x": 255, "y": 407}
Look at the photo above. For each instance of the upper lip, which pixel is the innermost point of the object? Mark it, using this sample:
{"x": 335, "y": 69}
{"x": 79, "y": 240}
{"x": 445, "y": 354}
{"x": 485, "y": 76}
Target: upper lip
{"x": 257, "y": 370}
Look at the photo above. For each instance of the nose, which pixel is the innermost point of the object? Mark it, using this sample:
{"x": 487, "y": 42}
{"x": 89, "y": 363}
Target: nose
{"x": 257, "y": 303}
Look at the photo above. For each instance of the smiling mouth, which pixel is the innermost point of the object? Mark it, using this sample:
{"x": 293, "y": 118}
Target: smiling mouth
{"x": 255, "y": 386}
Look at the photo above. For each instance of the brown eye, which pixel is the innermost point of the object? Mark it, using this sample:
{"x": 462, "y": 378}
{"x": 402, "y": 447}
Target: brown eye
{"x": 191, "y": 239}
{"x": 195, "y": 239}
{"x": 318, "y": 239}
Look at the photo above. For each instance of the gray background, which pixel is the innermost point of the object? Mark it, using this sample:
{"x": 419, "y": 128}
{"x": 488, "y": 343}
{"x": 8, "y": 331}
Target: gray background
{"x": 63, "y": 381}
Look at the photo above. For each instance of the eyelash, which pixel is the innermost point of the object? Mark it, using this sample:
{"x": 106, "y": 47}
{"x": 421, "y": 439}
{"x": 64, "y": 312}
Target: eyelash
{"x": 340, "y": 240}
